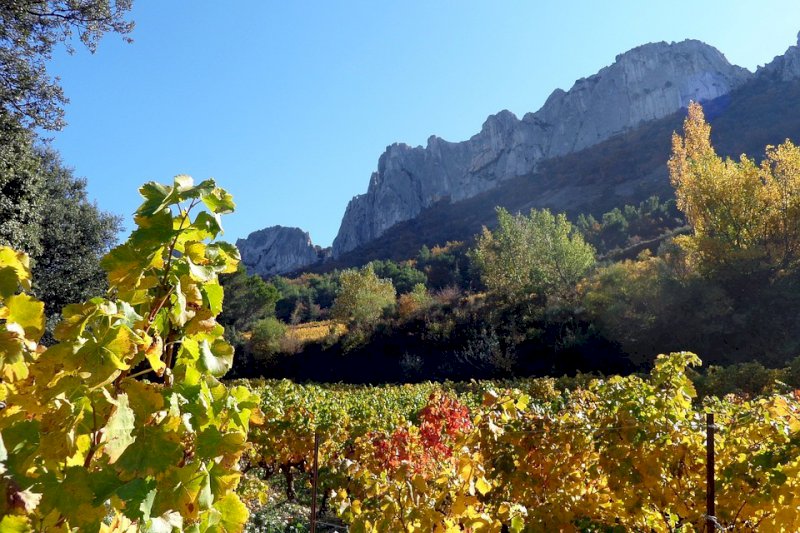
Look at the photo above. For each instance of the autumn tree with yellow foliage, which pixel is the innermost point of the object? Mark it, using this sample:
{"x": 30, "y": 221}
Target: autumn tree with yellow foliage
{"x": 745, "y": 215}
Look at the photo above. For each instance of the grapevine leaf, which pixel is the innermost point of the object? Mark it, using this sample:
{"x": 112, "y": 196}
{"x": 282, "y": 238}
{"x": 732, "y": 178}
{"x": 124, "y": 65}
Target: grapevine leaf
{"x": 207, "y": 225}
{"x": 27, "y": 313}
{"x": 153, "y": 231}
{"x": 166, "y": 523}
{"x": 232, "y": 515}
{"x": 216, "y": 358}
{"x": 156, "y": 196}
{"x": 103, "y": 359}
{"x": 212, "y": 443}
{"x": 201, "y": 273}
{"x": 517, "y": 523}
{"x": 119, "y": 427}
{"x": 154, "y": 451}
{"x": 214, "y": 294}
{"x": 189, "y": 489}
{"x": 15, "y": 271}
{"x": 15, "y": 524}
{"x": 222, "y": 480}
{"x": 482, "y": 485}
{"x": 138, "y": 496}
{"x": 178, "y": 311}
{"x": 9, "y": 282}
{"x": 126, "y": 264}
{"x": 219, "y": 201}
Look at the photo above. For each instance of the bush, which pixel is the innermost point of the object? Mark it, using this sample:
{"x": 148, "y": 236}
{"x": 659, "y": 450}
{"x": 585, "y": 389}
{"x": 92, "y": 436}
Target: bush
{"x": 266, "y": 339}
{"x": 414, "y": 302}
{"x": 364, "y": 298}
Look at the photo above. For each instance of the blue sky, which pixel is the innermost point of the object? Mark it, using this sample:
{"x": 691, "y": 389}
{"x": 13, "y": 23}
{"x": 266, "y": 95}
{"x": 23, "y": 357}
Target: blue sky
{"x": 289, "y": 104}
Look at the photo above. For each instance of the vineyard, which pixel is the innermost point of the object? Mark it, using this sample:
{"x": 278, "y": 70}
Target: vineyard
{"x": 123, "y": 423}
{"x": 620, "y": 454}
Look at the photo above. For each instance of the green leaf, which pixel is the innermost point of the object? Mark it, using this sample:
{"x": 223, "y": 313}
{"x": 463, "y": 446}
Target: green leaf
{"x": 154, "y": 451}
{"x": 208, "y": 225}
{"x": 212, "y": 443}
{"x": 26, "y": 312}
{"x": 62, "y": 494}
{"x": 178, "y": 312}
{"x": 233, "y": 515}
{"x": 219, "y": 201}
{"x": 214, "y": 294}
{"x": 200, "y": 273}
{"x": 102, "y": 359}
{"x": 216, "y": 358}
{"x": 157, "y": 197}
{"x": 15, "y": 524}
{"x": 138, "y": 496}
{"x": 517, "y": 524}
{"x": 120, "y": 425}
{"x": 154, "y": 231}
{"x": 126, "y": 264}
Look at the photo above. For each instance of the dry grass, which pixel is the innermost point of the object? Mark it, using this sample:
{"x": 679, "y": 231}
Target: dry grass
{"x": 315, "y": 331}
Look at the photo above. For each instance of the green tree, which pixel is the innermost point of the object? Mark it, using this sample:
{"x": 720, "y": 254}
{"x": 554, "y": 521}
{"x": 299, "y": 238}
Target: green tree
{"x": 248, "y": 299}
{"x": 363, "y": 297}
{"x": 74, "y": 234}
{"x": 21, "y": 188}
{"x": 403, "y": 275}
{"x": 540, "y": 255}
{"x": 29, "y": 31}
{"x": 265, "y": 340}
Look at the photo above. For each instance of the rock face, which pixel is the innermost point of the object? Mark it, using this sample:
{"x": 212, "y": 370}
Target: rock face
{"x": 277, "y": 250}
{"x": 785, "y": 67}
{"x": 646, "y": 83}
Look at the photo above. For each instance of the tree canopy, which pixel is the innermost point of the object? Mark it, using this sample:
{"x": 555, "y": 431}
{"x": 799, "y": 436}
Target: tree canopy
{"x": 745, "y": 216}
{"x": 29, "y": 31}
{"x": 74, "y": 235}
{"x": 536, "y": 255}
{"x": 363, "y": 296}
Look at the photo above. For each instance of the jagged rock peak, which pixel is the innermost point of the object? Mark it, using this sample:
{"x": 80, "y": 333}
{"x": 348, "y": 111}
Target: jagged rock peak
{"x": 648, "y": 82}
{"x": 785, "y": 67}
{"x": 278, "y": 250}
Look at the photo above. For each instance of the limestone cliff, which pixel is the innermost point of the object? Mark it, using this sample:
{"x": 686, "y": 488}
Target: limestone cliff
{"x": 785, "y": 67}
{"x": 277, "y": 250}
{"x": 646, "y": 83}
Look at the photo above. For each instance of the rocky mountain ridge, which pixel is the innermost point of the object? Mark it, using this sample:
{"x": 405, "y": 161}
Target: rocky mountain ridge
{"x": 279, "y": 249}
{"x": 645, "y": 84}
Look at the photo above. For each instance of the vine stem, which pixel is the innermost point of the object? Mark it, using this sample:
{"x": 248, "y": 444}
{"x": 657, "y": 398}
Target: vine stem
{"x": 95, "y": 437}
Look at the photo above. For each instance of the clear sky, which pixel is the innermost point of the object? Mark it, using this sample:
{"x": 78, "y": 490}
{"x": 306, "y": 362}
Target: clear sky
{"x": 289, "y": 104}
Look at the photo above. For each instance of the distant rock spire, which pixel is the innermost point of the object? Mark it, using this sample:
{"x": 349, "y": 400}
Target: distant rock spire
{"x": 278, "y": 250}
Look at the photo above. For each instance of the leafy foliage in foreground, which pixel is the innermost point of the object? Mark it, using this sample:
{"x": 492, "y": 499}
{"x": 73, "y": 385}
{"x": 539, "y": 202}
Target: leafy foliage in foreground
{"x": 623, "y": 453}
{"x": 86, "y": 445}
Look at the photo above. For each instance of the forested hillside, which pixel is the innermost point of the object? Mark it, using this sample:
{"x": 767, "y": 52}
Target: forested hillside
{"x": 625, "y": 169}
{"x": 541, "y": 294}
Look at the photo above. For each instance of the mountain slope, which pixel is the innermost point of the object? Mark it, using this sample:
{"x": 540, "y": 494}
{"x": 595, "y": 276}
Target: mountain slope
{"x": 602, "y": 144}
{"x": 624, "y": 169}
{"x": 643, "y": 84}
